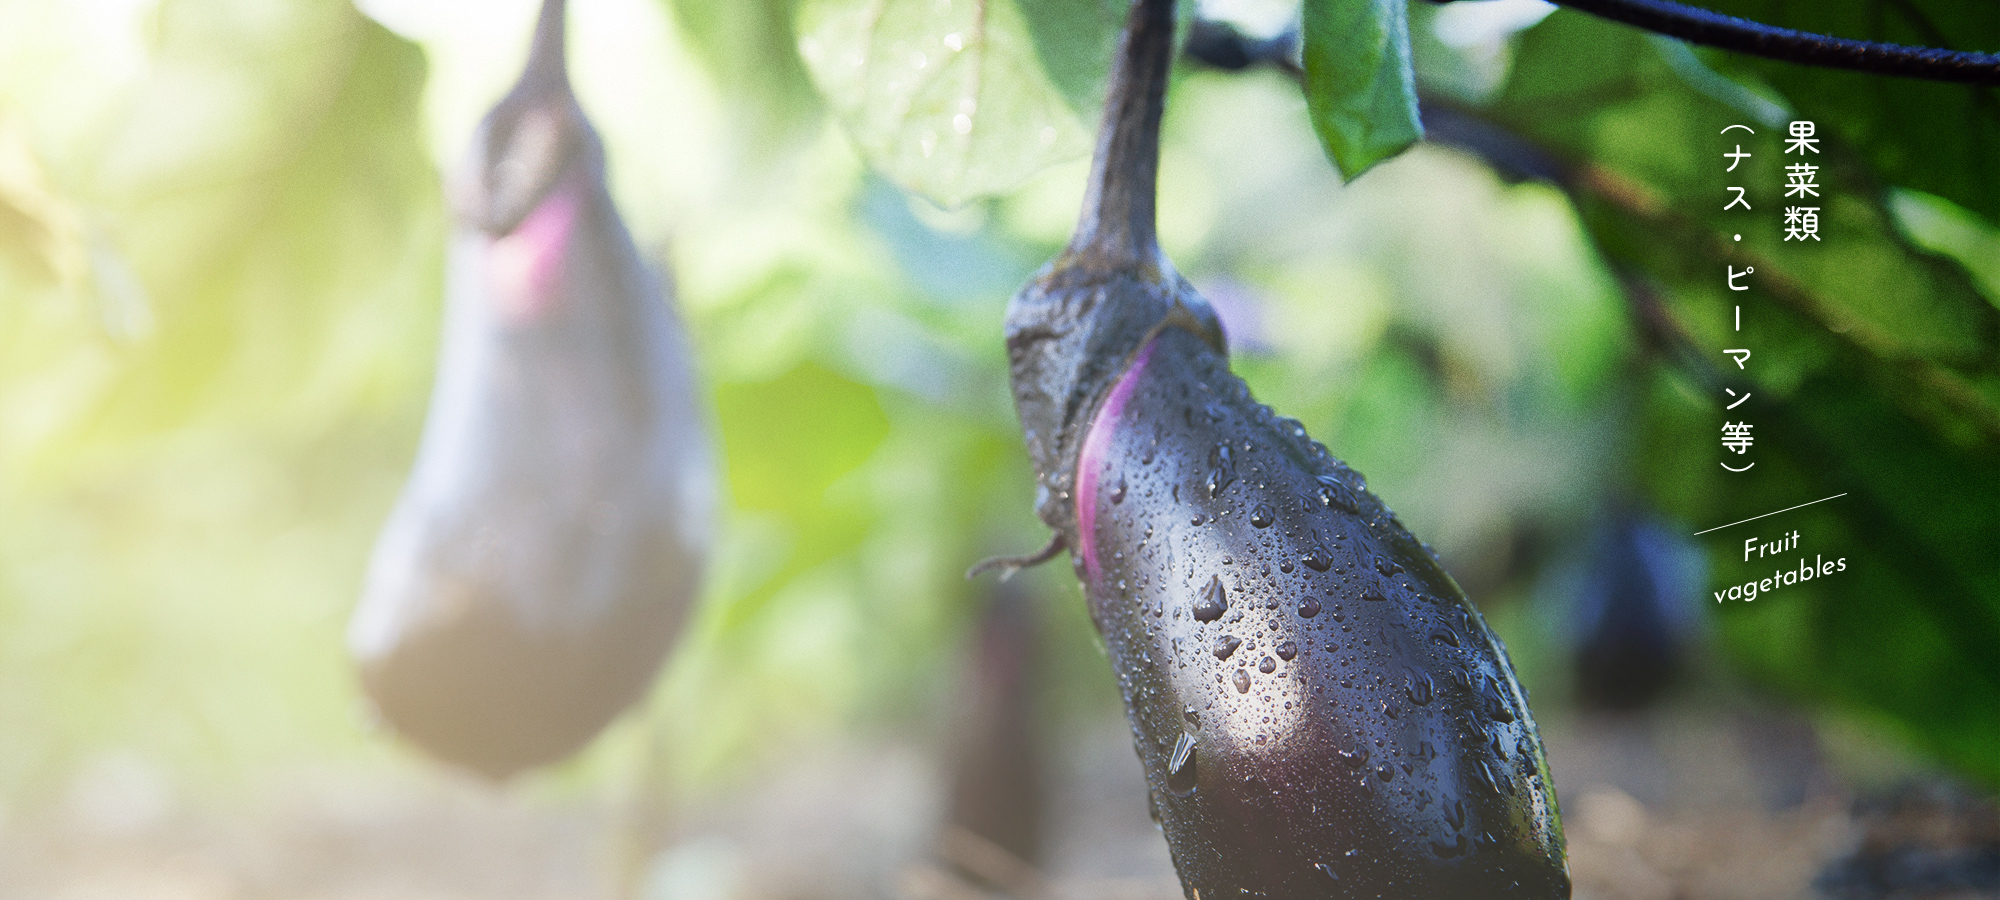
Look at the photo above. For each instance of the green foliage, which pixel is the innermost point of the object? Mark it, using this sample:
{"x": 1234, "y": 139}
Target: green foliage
{"x": 750, "y": 49}
{"x": 956, "y": 101}
{"x": 220, "y": 245}
{"x": 1943, "y": 139}
{"x": 1873, "y": 361}
{"x": 235, "y": 242}
{"x": 1359, "y": 83}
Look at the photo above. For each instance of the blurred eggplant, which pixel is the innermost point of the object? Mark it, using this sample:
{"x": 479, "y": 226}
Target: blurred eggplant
{"x": 551, "y": 537}
{"x": 1635, "y": 618}
{"x": 996, "y": 769}
{"x": 1319, "y": 710}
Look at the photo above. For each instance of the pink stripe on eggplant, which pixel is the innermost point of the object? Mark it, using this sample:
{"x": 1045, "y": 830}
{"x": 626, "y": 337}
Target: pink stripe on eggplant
{"x": 527, "y": 263}
{"x": 1090, "y": 461}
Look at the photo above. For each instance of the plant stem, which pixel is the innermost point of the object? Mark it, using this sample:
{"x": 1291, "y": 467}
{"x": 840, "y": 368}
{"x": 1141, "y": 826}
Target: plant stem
{"x": 1118, "y": 217}
{"x": 548, "y": 61}
{"x": 1701, "y": 26}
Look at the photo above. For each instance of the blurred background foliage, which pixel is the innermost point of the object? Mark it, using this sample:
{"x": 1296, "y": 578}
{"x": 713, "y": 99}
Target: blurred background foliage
{"x": 221, "y": 244}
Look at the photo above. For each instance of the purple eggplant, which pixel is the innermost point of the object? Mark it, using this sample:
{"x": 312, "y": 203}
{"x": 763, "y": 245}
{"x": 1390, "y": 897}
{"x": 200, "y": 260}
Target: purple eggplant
{"x": 551, "y": 537}
{"x": 1634, "y": 620}
{"x": 1319, "y": 710}
{"x": 997, "y": 769}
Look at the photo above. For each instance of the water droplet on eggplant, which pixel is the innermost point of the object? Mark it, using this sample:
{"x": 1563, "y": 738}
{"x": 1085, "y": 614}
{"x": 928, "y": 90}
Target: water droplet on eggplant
{"x": 1212, "y": 602}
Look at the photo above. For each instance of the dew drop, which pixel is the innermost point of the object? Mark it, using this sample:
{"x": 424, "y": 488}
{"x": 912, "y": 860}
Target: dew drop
{"x": 1327, "y": 868}
{"x": 1242, "y": 680}
{"x": 1387, "y": 567}
{"x": 1288, "y": 650}
{"x": 1385, "y": 772}
{"x": 1118, "y": 491}
{"x": 1212, "y": 602}
{"x": 1226, "y": 646}
{"x": 1483, "y": 774}
{"x": 1335, "y": 495}
{"x": 1182, "y": 771}
{"x": 1420, "y": 688}
{"x": 1496, "y": 704}
{"x": 1308, "y": 608}
{"x": 1316, "y": 556}
{"x": 1267, "y": 665}
{"x": 1221, "y": 470}
{"x": 1262, "y": 517}
{"x": 1355, "y": 758}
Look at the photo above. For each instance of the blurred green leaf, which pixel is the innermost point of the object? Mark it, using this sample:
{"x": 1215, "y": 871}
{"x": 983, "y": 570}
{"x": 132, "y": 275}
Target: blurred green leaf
{"x": 1872, "y": 365}
{"x": 955, "y": 101}
{"x": 1940, "y": 138}
{"x": 184, "y": 506}
{"x": 788, "y": 439}
{"x": 1648, "y": 141}
{"x": 1941, "y": 226}
{"x": 1360, "y": 88}
{"x": 268, "y": 234}
{"x": 751, "y": 48}
{"x": 1908, "y": 627}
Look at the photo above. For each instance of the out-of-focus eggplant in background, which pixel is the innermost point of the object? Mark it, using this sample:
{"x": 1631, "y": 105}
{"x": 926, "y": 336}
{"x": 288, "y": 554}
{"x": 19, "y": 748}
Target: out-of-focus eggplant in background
{"x": 551, "y": 539}
{"x": 223, "y": 242}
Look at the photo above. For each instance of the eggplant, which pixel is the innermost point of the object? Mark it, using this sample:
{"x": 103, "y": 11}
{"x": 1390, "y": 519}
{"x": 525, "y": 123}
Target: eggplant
{"x": 1633, "y": 622}
{"x": 997, "y": 770}
{"x": 1319, "y": 710}
{"x": 550, "y": 540}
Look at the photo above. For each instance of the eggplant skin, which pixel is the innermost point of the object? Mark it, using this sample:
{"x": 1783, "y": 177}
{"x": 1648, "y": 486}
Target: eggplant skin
{"x": 1319, "y": 711}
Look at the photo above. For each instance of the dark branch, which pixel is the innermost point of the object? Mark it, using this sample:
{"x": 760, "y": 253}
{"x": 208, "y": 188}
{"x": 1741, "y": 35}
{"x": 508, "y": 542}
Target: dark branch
{"x": 1221, "y": 46}
{"x": 1758, "y": 39}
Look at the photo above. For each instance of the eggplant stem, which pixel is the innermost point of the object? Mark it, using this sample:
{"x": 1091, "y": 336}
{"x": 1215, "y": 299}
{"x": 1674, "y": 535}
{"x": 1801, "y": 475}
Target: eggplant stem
{"x": 1117, "y": 225}
{"x": 547, "y": 59}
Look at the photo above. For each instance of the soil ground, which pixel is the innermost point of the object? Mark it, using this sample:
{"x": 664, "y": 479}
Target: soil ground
{"x": 1676, "y": 805}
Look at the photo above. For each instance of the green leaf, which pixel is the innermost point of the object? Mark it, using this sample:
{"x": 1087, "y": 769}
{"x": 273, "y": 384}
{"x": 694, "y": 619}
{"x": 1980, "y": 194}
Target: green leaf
{"x": 953, "y": 101}
{"x": 1934, "y": 137}
{"x": 1873, "y": 361}
{"x": 1360, "y": 88}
